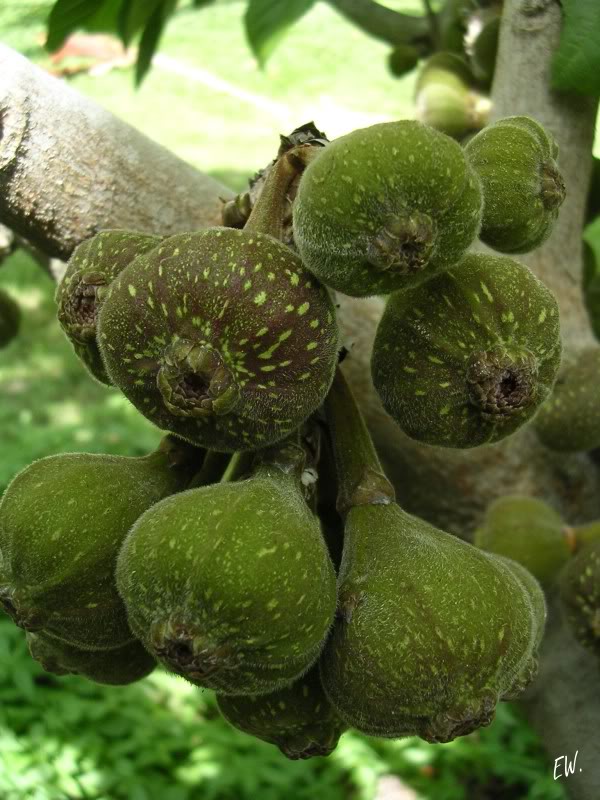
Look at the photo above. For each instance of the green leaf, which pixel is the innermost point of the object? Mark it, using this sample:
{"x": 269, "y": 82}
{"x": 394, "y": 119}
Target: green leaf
{"x": 133, "y": 16}
{"x": 151, "y": 36}
{"x": 65, "y": 17}
{"x": 576, "y": 65}
{"x": 68, "y": 16}
{"x": 266, "y": 22}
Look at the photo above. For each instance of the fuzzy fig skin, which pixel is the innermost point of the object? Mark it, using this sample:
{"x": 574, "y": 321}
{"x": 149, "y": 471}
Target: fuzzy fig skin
{"x": 468, "y": 357}
{"x": 221, "y": 337}
{"x": 580, "y": 595}
{"x": 231, "y": 585}
{"x": 91, "y": 268}
{"x": 298, "y": 719}
{"x": 431, "y": 632}
{"x": 116, "y": 667}
{"x": 526, "y": 530}
{"x": 62, "y": 522}
{"x": 10, "y": 319}
{"x": 386, "y": 207}
{"x": 569, "y": 421}
{"x": 522, "y": 186}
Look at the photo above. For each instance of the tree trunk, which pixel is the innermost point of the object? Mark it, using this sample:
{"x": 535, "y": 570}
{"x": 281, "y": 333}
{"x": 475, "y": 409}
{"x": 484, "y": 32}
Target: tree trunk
{"x": 68, "y": 168}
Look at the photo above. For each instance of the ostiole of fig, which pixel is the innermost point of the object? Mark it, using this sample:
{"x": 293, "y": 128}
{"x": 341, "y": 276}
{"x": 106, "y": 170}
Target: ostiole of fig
{"x": 502, "y": 384}
{"x": 83, "y": 288}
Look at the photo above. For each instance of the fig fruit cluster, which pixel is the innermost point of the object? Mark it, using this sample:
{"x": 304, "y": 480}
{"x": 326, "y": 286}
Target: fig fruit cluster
{"x": 306, "y": 611}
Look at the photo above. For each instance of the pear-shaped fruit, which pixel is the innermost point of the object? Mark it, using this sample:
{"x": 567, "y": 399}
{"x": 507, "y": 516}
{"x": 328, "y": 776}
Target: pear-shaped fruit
{"x": 522, "y": 186}
{"x": 445, "y": 98}
{"x": 62, "y": 521}
{"x": 580, "y": 595}
{"x": 231, "y": 585}
{"x": 115, "y": 667}
{"x": 91, "y": 268}
{"x": 526, "y": 530}
{"x": 10, "y": 318}
{"x": 466, "y": 358}
{"x": 298, "y": 718}
{"x": 386, "y": 207}
{"x": 431, "y": 632}
{"x": 570, "y": 419}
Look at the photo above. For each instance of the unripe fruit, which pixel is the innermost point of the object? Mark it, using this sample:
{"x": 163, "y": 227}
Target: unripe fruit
{"x": 10, "y": 318}
{"x": 115, "y": 667}
{"x": 298, "y": 718}
{"x": 91, "y": 268}
{"x": 569, "y": 421}
{"x": 62, "y": 521}
{"x": 580, "y": 595}
{"x": 220, "y": 336}
{"x": 431, "y": 632}
{"x": 445, "y": 99}
{"x": 231, "y": 585}
{"x": 526, "y": 530}
{"x": 385, "y": 208}
{"x": 466, "y": 358}
{"x": 522, "y": 187}
{"x": 403, "y": 59}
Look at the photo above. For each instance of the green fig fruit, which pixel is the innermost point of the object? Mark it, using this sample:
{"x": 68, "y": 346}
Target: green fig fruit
{"x": 116, "y": 667}
{"x": 445, "y": 98}
{"x": 231, "y": 585}
{"x": 526, "y": 530}
{"x": 298, "y": 719}
{"x": 466, "y": 358}
{"x": 92, "y": 266}
{"x": 10, "y": 318}
{"x": 569, "y": 421}
{"x": 522, "y": 186}
{"x": 402, "y": 60}
{"x": 220, "y": 335}
{"x": 580, "y": 595}
{"x": 431, "y": 632}
{"x": 62, "y": 521}
{"x": 385, "y": 208}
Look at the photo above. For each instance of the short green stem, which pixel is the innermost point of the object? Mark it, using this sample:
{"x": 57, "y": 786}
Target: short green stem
{"x": 360, "y": 474}
{"x": 580, "y": 535}
{"x": 269, "y": 210}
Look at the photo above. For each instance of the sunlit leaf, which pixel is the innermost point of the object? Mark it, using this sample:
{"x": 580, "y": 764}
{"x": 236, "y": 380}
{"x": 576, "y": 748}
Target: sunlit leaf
{"x": 151, "y": 36}
{"x": 266, "y": 22}
{"x": 576, "y": 65}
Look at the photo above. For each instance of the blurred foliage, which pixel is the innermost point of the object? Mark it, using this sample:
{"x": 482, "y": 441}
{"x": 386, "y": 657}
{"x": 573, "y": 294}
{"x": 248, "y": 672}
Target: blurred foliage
{"x": 163, "y": 739}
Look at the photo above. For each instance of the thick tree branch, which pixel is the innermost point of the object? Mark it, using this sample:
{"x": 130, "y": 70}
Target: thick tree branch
{"x": 68, "y": 168}
{"x": 384, "y": 23}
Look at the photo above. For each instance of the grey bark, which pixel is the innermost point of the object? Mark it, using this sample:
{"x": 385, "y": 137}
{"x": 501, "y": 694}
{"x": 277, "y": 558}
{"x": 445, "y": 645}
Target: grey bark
{"x": 68, "y": 168}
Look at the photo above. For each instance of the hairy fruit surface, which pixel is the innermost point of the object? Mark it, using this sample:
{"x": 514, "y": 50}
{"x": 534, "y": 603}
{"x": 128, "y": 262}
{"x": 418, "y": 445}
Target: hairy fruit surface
{"x": 466, "y": 358}
{"x": 386, "y": 207}
{"x": 222, "y": 337}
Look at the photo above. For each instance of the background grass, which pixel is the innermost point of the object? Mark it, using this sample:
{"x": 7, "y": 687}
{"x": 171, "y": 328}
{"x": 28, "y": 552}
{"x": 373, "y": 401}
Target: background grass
{"x": 161, "y": 739}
